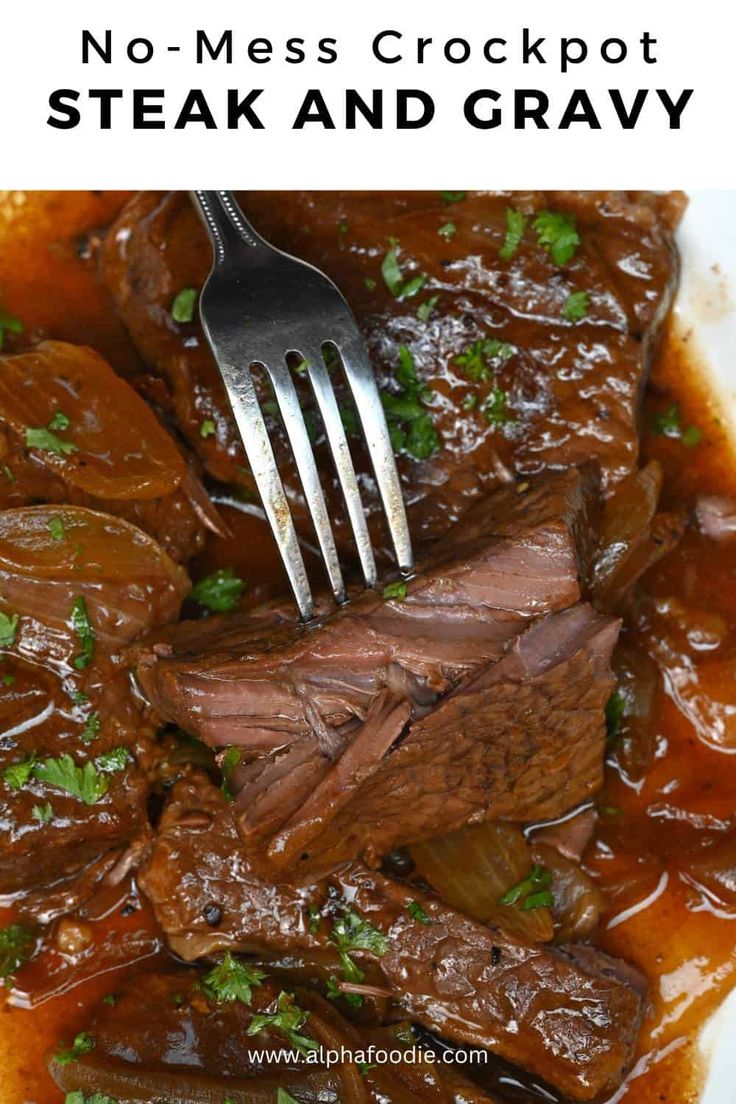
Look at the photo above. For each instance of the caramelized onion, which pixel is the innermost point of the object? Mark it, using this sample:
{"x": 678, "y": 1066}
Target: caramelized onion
{"x": 578, "y": 902}
{"x": 471, "y": 869}
{"x": 127, "y": 581}
{"x": 120, "y": 449}
{"x": 637, "y": 680}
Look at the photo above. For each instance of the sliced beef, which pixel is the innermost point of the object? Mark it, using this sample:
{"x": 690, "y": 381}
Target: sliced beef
{"x": 107, "y": 450}
{"x": 570, "y": 1015}
{"x": 165, "y": 1036}
{"x": 571, "y": 388}
{"x": 522, "y": 739}
{"x": 75, "y": 749}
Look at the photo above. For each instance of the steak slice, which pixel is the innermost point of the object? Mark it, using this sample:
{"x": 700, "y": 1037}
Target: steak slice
{"x": 572, "y": 388}
{"x": 568, "y": 1014}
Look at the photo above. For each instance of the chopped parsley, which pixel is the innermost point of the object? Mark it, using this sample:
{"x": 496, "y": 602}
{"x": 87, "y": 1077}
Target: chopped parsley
{"x": 59, "y": 421}
{"x": 531, "y": 892}
{"x": 83, "y": 629}
{"x": 424, "y": 310}
{"x": 417, "y": 913}
{"x": 557, "y": 234}
{"x": 515, "y": 226}
{"x": 394, "y": 278}
{"x": 47, "y": 439}
{"x": 113, "y": 761}
{"x": 289, "y": 1019}
{"x": 232, "y": 980}
{"x": 447, "y": 231}
{"x": 86, "y": 783}
{"x": 314, "y": 919}
{"x": 342, "y": 227}
{"x": 496, "y": 409}
{"x": 79, "y": 697}
{"x": 182, "y": 309}
{"x": 370, "y": 283}
{"x": 83, "y": 1044}
{"x": 110, "y": 999}
{"x": 9, "y": 324}
{"x": 668, "y": 423}
{"x": 576, "y": 306}
{"x": 19, "y": 774}
{"x": 43, "y": 813}
{"x": 230, "y": 760}
{"x": 91, "y": 728}
{"x": 395, "y": 590}
{"x": 56, "y": 528}
{"x": 8, "y": 680}
{"x": 207, "y": 428}
{"x": 470, "y": 401}
{"x": 8, "y": 627}
{"x": 692, "y": 436}
{"x": 453, "y": 197}
{"x": 283, "y": 1097}
{"x": 615, "y": 710}
{"x": 16, "y": 944}
{"x": 476, "y": 360}
{"x": 220, "y": 591}
{"x": 352, "y": 932}
{"x": 410, "y": 424}
{"x": 78, "y": 1097}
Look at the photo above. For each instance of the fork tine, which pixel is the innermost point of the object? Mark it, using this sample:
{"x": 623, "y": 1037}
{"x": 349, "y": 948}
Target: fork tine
{"x": 258, "y": 449}
{"x": 296, "y": 429}
{"x": 329, "y": 412}
{"x": 373, "y": 420}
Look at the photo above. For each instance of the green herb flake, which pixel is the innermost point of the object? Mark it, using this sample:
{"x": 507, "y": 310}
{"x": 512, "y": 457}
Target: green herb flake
{"x": 83, "y": 1044}
{"x": 8, "y": 473}
{"x": 18, "y": 775}
{"x": 314, "y": 919}
{"x": 424, "y": 310}
{"x": 8, "y": 324}
{"x": 531, "y": 892}
{"x": 447, "y": 231}
{"x": 412, "y": 286}
{"x": 207, "y": 428}
{"x": 56, "y": 528}
{"x": 59, "y": 421}
{"x": 576, "y": 306}
{"x": 417, "y": 913}
{"x": 230, "y": 760}
{"x": 91, "y": 728}
{"x": 79, "y": 697}
{"x": 221, "y": 591}
{"x": 370, "y": 283}
{"x": 110, "y": 999}
{"x": 351, "y": 932}
{"x": 16, "y": 944}
{"x": 477, "y": 359}
{"x": 85, "y": 783}
{"x": 8, "y": 629}
{"x": 8, "y": 680}
{"x": 391, "y": 271}
{"x": 283, "y": 1097}
{"x": 557, "y": 234}
{"x": 43, "y": 813}
{"x": 48, "y": 441}
{"x": 496, "y": 409}
{"x": 232, "y": 980}
{"x": 83, "y": 629}
{"x": 410, "y": 425}
{"x": 289, "y": 1019}
{"x": 470, "y": 401}
{"x": 515, "y": 226}
{"x": 113, "y": 761}
{"x": 615, "y": 710}
{"x": 397, "y": 591}
{"x": 692, "y": 436}
{"x": 342, "y": 227}
{"x": 182, "y": 309}
{"x": 453, "y": 197}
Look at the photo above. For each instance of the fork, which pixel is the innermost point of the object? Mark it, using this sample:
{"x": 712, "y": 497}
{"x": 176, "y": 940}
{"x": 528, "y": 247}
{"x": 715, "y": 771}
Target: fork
{"x": 260, "y": 306}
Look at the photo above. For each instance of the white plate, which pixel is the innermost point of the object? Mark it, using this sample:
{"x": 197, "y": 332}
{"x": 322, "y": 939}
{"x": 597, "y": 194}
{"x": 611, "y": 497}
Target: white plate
{"x": 707, "y": 302}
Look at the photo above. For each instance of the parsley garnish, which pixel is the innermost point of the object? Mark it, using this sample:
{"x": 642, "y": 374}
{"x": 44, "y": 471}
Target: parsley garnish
{"x": 453, "y": 197}
{"x": 557, "y": 233}
{"x": 182, "y": 309}
{"x": 410, "y": 424}
{"x": 19, "y": 774}
{"x": 219, "y": 591}
{"x": 78, "y": 1097}
{"x": 424, "y": 310}
{"x": 394, "y": 278}
{"x": 668, "y": 424}
{"x": 91, "y": 728}
{"x": 230, "y": 760}
{"x": 83, "y": 1044}
{"x": 110, "y": 999}
{"x": 113, "y": 761}
{"x": 283, "y": 1097}
{"x": 207, "y": 428}
{"x": 83, "y": 629}
{"x": 416, "y": 912}
{"x": 532, "y": 892}
{"x": 395, "y": 590}
{"x": 615, "y": 709}
{"x": 576, "y": 306}
{"x": 352, "y": 932}
{"x": 8, "y": 680}
{"x": 8, "y": 627}
{"x": 447, "y": 231}
{"x": 289, "y": 1020}
{"x": 496, "y": 410}
{"x": 43, "y": 813}
{"x": 370, "y": 283}
{"x": 47, "y": 440}
{"x": 232, "y": 980}
{"x": 59, "y": 421}
{"x": 56, "y": 528}
{"x": 85, "y": 783}
{"x": 475, "y": 360}
{"x": 9, "y": 324}
{"x": 16, "y": 944}
{"x": 515, "y": 226}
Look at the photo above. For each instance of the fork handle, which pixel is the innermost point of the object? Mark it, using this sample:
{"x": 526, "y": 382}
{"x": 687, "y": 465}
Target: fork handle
{"x": 226, "y": 224}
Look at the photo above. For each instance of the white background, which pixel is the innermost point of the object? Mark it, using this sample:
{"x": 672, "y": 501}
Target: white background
{"x": 40, "y": 50}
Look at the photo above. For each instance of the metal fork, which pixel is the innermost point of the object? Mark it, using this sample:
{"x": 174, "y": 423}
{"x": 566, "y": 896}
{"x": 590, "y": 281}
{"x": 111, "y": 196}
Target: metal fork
{"x": 258, "y": 307}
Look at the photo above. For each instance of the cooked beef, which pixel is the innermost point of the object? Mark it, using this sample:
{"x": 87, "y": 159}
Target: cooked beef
{"x": 522, "y": 739}
{"x": 572, "y": 387}
{"x": 569, "y": 1014}
{"x": 74, "y": 746}
{"x": 117, "y": 457}
{"x": 166, "y": 1037}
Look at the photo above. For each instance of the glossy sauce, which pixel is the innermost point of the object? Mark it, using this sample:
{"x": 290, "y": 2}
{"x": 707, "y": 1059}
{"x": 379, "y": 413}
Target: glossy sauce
{"x": 682, "y": 940}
